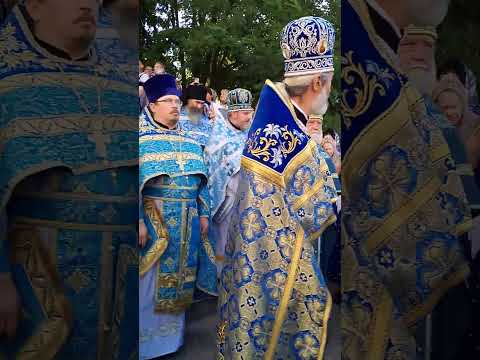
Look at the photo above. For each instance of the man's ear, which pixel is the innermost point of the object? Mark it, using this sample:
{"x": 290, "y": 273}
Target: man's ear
{"x": 317, "y": 84}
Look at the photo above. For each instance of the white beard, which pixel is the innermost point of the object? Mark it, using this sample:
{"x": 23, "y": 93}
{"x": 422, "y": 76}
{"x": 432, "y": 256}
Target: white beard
{"x": 423, "y": 80}
{"x": 320, "y": 105}
{"x": 317, "y": 137}
{"x": 427, "y": 12}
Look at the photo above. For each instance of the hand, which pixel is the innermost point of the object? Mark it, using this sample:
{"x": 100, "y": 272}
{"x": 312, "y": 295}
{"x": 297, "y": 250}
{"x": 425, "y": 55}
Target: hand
{"x": 204, "y": 226}
{"x": 212, "y": 114}
{"x": 142, "y": 233}
{"x": 9, "y": 307}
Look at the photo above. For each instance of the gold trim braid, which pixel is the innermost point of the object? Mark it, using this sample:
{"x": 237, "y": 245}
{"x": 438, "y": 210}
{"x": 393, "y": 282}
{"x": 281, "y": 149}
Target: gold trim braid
{"x": 282, "y": 308}
{"x": 156, "y": 251}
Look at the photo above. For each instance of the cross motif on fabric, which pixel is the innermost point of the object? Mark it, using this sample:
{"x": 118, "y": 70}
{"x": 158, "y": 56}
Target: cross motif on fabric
{"x": 181, "y": 161}
{"x": 101, "y": 140}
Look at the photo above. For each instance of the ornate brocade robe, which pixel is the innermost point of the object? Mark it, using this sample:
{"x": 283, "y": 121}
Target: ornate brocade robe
{"x": 174, "y": 196}
{"x": 273, "y": 302}
{"x": 68, "y": 188}
{"x": 222, "y": 156}
{"x": 403, "y": 203}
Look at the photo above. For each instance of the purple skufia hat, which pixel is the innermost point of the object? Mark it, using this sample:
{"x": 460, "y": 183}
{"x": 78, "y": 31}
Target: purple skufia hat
{"x": 161, "y": 85}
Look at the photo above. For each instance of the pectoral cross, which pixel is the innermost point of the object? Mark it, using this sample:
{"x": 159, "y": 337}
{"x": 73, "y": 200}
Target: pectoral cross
{"x": 101, "y": 140}
{"x": 181, "y": 161}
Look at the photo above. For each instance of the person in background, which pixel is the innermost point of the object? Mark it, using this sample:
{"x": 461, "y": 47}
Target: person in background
{"x": 330, "y": 147}
{"x": 158, "y": 68}
{"x": 222, "y": 100}
{"x": 149, "y": 71}
{"x": 314, "y": 128}
{"x": 222, "y": 155}
{"x": 210, "y": 108}
{"x": 192, "y": 116}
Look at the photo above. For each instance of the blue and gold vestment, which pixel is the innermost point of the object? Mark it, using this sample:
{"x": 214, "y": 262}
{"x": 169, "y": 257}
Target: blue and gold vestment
{"x": 273, "y": 301}
{"x": 68, "y": 187}
{"x": 172, "y": 206}
{"x": 222, "y": 156}
{"x": 198, "y": 129}
{"x": 403, "y": 202}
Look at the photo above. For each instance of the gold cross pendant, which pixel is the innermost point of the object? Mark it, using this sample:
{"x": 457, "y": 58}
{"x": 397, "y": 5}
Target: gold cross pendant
{"x": 181, "y": 161}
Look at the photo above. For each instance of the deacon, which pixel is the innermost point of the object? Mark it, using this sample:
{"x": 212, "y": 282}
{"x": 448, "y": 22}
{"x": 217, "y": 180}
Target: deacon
{"x": 193, "y": 116}
{"x": 222, "y": 155}
{"x": 176, "y": 256}
{"x": 273, "y": 300}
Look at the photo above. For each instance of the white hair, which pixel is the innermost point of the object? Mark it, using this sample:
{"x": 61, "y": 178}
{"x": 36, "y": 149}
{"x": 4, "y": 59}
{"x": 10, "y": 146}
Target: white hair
{"x": 298, "y": 85}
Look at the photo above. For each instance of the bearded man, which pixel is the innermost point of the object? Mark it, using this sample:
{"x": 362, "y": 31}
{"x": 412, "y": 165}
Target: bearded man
{"x": 222, "y": 156}
{"x": 273, "y": 300}
{"x": 193, "y": 119}
{"x": 401, "y": 201}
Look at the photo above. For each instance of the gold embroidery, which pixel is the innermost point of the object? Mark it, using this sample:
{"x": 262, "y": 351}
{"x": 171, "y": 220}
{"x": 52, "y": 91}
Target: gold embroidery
{"x": 182, "y": 157}
{"x": 209, "y": 249}
{"x": 66, "y": 124}
{"x": 221, "y": 332}
{"x": 265, "y": 147}
{"x": 169, "y": 138}
{"x": 175, "y": 306}
{"x": 273, "y": 176}
{"x": 78, "y": 281}
{"x": 396, "y": 219}
{"x": 105, "y": 304}
{"x": 127, "y": 257}
{"x": 172, "y": 222}
{"x": 282, "y": 308}
{"x": 51, "y": 334}
{"x": 108, "y": 213}
{"x": 364, "y": 95}
{"x": 160, "y": 245}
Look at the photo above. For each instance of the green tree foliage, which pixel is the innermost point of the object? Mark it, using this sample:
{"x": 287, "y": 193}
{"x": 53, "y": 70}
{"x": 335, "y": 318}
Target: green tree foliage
{"x": 229, "y": 43}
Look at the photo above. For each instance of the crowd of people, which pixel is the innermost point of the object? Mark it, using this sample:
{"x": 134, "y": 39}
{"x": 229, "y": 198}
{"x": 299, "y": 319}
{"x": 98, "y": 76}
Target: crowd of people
{"x": 243, "y": 148}
{"x": 198, "y": 152}
{"x": 216, "y": 105}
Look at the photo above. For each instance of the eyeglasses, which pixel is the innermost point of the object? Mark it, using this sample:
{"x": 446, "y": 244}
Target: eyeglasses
{"x": 175, "y": 102}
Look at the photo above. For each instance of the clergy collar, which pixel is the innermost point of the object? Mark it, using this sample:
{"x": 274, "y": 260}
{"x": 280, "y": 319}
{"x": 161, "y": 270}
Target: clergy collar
{"x": 384, "y": 25}
{"x": 300, "y": 113}
{"x": 59, "y": 52}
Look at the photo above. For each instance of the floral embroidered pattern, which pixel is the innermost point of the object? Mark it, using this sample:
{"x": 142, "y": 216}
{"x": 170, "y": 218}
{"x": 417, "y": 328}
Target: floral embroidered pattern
{"x": 15, "y": 53}
{"x": 316, "y": 308}
{"x": 306, "y": 345}
{"x": 302, "y": 180}
{"x": 273, "y": 284}
{"x": 260, "y": 331}
{"x": 274, "y": 143}
{"x": 390, "y": 179}
{"x": 285, "y": 240}
{"x": 372, "y": 80}
{"x": 385, "y": 258}
{"x": 243, "y": 270}
{"x": 252, "y": 224}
